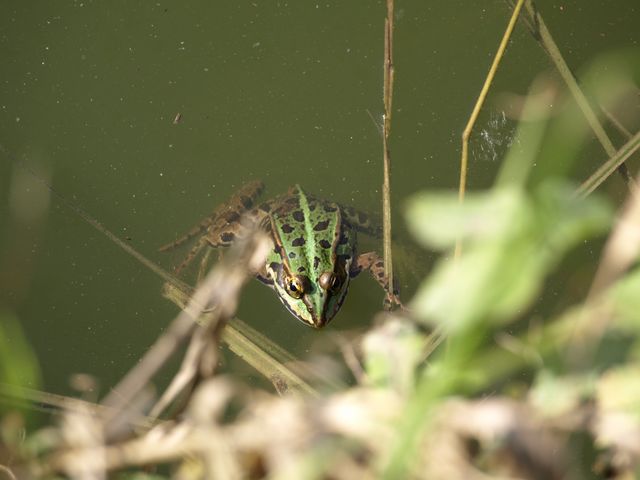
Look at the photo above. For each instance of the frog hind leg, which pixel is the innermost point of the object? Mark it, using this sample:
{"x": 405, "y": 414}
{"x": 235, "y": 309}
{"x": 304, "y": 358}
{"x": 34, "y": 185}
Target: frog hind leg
{"x": 217, "y": 229}
{"x": 227, "y": 213}
{"x": 200, "y": 244}
{"x": 372, "y": 262}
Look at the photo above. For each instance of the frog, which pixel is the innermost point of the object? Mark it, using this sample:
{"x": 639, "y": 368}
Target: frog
{"x": 314, "y": 248}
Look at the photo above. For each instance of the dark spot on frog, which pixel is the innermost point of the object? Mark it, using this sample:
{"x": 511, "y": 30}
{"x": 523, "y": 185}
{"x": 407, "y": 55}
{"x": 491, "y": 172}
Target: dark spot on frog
{"x": 343, "y": 239}
{"x": 231, "y": 217}
{"x": 324, "y": 243}
{"x": 292, "y": 254}
{"x": 274, "y": 266}
{"x": 246, "y": 201}
{"x": 265, "y": 207}
{"x": 298, "y": 242}
{"x": 379, "y": 264}
{"x": 301, "y": 269}
{"x": 228, "y": 237}
{"x": 286, "y": 228}
{"x": 316, "y": 262}
{"x": 320, "y": 226}
{"x": 330, "y": 208}
{"x": 312, "y": 206}
{"x": 298, "y": 216}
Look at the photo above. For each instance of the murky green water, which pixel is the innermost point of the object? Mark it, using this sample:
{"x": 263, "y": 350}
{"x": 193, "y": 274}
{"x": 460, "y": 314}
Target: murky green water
{"x": 280, "y": 91}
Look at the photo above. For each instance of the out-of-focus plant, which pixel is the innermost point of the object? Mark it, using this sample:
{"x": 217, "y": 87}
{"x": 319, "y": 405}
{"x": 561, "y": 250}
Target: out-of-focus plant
{"x": 18, "y": 369}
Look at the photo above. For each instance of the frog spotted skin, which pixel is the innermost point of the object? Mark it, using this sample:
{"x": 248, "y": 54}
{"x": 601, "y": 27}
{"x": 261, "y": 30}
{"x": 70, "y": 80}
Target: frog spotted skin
{"x": 314, "y": 248}
{"x": 313, "y": 251}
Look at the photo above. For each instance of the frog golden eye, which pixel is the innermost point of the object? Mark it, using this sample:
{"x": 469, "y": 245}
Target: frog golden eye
{"x": 295, "y": 287}
{"x": 330, "y": 281}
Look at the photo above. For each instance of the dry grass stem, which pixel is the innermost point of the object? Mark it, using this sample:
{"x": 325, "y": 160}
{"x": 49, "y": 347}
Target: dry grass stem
{"x": 616, "y": 123}
{"x": 607, "y": 168}
{"x": 388, "y": 108}
{"x": 283, "y": 432}
{"x": 7, "y": 471}
{"x": 217, "y": 295}
{"x": 466, "y": 133}
{"x": 541, "y": 33}
{"x": 259, "y": 352}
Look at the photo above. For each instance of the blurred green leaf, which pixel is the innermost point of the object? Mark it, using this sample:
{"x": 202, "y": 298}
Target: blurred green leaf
{"x": 437, "y": 220}
{"x": 140, "y": 476}
{"x": 18, "y": 364}
{"x": 626, "y": 300}
{"x": 553, "y": 396}
{"x": 392, "y": 351}
{"x": 503, "y": 266}
{"x": 618, "y": 390}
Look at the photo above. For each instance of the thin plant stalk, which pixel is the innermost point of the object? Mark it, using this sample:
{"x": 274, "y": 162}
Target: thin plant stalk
{"x": 215, "y": 298}
{"x": 466, "y": 134}
{"x": 618, "y": 158}
{"x": 616, "y": 123}
{"x": 241, "y": 341}
{"x": 388, "y": 103}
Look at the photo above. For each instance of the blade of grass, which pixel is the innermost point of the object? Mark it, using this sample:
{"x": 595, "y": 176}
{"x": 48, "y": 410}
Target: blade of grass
{"x": 618, "y": 158}
{"x": 216, "y": 298}
{"x": 616, "y": 123}
{"x": 476, "y": 109}
{"x": 541, "y": 33}
{"x": 240, "y": 340}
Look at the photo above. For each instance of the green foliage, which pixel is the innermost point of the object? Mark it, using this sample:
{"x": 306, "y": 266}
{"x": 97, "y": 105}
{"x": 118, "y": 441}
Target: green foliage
{"x": 626, "y": 300}
{"x": 18, "y": 364}
{"x": 511, "y": 241}
{"x": 392, "y": 353}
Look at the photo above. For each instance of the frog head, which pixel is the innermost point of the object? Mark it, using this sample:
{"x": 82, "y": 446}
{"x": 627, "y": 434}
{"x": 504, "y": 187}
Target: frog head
{"x": 311, "y": 259}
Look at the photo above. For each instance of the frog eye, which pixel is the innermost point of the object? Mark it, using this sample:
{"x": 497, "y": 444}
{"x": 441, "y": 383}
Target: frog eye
{"x": 330, "y": 281}
{"x": 295, "y": 287}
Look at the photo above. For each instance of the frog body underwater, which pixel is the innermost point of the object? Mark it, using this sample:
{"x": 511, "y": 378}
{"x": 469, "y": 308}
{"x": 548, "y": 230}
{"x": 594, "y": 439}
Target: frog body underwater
{"x": 314, "y": 252}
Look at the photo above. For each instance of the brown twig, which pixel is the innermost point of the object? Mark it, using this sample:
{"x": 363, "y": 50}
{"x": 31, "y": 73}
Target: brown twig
{"x": 388, "y": 104}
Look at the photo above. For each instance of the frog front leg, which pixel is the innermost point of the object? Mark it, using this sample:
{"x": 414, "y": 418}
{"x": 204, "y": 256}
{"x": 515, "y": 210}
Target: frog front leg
{"x": 372, "y": 262}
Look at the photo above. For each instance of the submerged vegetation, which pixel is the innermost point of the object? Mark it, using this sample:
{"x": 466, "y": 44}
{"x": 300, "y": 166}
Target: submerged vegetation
{"x": 471, "y": 381}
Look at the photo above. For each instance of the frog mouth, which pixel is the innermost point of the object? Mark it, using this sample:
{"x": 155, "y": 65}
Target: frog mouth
{"x": 314, "y": 320}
